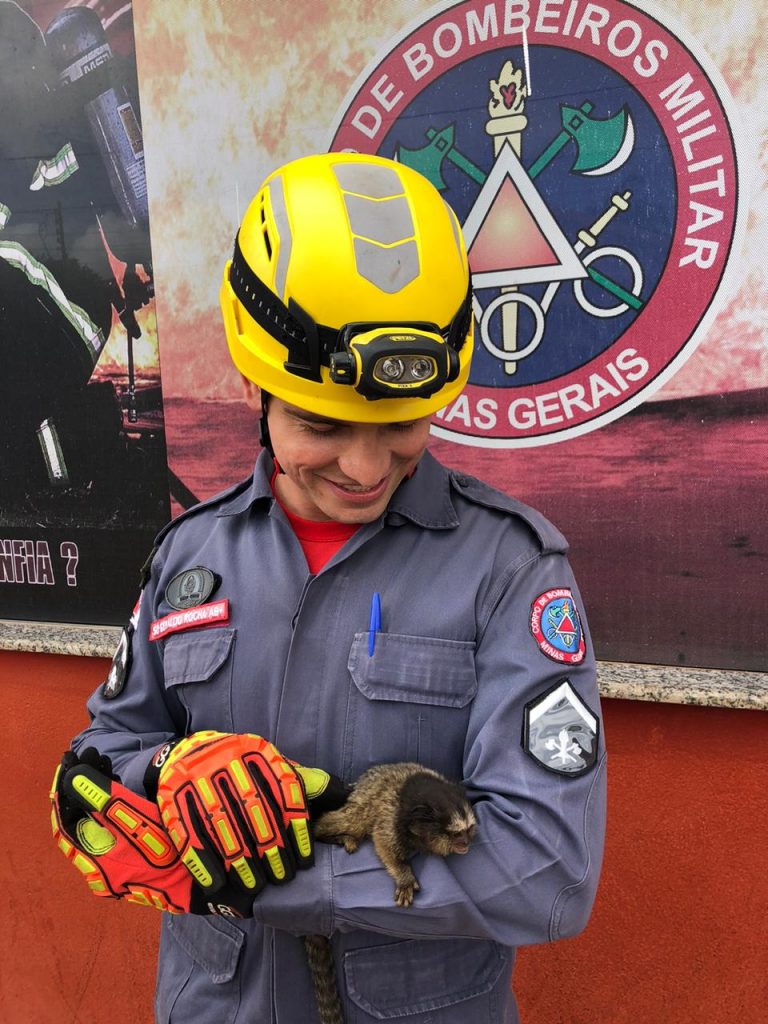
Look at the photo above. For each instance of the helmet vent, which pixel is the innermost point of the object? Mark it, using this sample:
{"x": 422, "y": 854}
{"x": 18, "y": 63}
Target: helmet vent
{"x": 265, "y": 226}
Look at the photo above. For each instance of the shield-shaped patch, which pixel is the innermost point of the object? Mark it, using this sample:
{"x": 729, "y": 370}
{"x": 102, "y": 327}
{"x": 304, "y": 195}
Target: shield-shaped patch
{"x": 560, "y": 732}
{"x": 121, "y": 662}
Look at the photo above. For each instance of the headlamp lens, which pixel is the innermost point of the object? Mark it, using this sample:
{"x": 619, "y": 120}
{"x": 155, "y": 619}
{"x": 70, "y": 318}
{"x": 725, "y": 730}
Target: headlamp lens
{"x": 391, "y": 368}
{"x": 422, "y": 368}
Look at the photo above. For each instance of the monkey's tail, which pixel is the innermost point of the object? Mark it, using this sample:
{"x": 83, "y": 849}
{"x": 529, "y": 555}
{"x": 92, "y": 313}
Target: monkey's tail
{"x": 323, "y": 972}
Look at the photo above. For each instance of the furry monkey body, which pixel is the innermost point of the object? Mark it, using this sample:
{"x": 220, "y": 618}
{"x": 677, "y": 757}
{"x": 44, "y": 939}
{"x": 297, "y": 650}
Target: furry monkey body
{"x": 404, "y": 808}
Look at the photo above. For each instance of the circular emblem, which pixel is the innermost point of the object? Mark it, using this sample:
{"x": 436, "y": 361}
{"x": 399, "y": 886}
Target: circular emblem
{"x": 588, "y": 152}
{"x": 191, "y": 587}
{"x": 556, "y": 626}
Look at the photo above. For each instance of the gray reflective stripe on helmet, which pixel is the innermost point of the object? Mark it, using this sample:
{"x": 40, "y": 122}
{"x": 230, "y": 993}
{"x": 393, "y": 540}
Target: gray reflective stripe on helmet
{"x": 380, "y": 220}
{"x": 379, "y": 215}
{"x": 39, "y": 275}
{"x": 455, "y": 226}
{"x": 280, "y": 214}
{"x": 48, "y": 436}
{"x": 367, "y": 180}
{"x": 390, "y": 268}
{"x": 5, "y": 215}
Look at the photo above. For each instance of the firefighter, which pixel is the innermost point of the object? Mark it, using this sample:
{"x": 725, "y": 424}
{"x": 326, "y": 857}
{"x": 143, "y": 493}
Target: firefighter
{"x": 351, "y": 602}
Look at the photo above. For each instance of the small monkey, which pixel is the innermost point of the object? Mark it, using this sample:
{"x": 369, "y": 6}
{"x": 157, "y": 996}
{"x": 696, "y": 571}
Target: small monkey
{"x": 404, "y": 809}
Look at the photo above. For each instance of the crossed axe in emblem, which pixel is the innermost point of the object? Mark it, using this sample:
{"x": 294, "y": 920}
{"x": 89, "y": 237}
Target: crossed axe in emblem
{"x": 602, "y": 146}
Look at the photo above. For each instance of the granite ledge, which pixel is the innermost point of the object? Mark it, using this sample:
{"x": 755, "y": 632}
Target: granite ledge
{"x": 59, "y": 638}
{"x": 666, "y": 684}
{"x": 670, "y": 684}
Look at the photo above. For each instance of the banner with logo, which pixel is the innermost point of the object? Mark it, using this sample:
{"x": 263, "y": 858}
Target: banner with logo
{"x": 603, "y": 158}
{"x": 83, "y": 482}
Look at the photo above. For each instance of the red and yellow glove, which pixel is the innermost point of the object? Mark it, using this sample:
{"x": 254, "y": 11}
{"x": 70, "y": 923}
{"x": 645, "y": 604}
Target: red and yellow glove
{"x": 117, "y": 841}
{"x": 236, "y": 809}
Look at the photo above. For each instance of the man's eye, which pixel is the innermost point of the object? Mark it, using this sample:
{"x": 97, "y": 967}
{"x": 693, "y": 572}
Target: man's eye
{"x": 319, "y": 429}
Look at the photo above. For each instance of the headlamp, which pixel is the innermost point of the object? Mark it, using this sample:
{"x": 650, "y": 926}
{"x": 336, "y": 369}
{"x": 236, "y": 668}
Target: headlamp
{"x": 379, "y": 360}
{"x": 387, "y": 360}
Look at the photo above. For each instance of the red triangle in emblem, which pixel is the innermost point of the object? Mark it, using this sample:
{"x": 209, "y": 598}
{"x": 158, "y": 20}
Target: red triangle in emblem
{"x": 509, "y": 237}
{"x": 566, "y": 627}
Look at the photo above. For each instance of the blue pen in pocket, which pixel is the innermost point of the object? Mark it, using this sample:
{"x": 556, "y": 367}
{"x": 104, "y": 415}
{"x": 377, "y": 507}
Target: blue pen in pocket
{"x": 375, "y": 624}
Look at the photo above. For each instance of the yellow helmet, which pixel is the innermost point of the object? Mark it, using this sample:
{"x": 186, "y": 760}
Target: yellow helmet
{"x": 348, "y": 293}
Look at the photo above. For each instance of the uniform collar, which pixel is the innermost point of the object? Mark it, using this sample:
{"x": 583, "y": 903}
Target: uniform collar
{"x": 257, "y": 490}
{"x": 424, "y": 499}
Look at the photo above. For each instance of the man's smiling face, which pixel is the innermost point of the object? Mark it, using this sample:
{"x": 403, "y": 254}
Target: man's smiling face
{"x": 335, "y": 470}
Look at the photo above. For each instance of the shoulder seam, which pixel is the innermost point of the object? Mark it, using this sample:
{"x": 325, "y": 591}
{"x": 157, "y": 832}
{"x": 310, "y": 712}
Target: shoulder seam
{"x": 550, "y": 539}
{"x": 230, "y": 492}
{"x": 146, "y": 569}
{"x": 505, "y": 578}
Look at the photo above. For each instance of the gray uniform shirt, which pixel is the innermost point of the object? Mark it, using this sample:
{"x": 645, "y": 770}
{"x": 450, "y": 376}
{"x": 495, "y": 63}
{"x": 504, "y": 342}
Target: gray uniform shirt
{"x": 483, "y": 670}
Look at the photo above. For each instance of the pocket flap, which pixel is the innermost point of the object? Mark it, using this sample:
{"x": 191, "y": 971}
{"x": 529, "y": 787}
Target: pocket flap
{"x": 194, "y": 657}
{"x": 416, "y": 976}
{"x": 417, "y": 669}
{"x": 213, "y": 943}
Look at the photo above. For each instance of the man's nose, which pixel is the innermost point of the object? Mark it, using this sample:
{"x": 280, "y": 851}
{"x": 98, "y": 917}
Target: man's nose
{"x": 364, "y": 459}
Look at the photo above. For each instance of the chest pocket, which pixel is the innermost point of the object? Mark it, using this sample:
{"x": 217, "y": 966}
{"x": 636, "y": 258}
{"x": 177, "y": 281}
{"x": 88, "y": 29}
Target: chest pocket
{"x": 198, "y": 668}
{"x": 409, "y": 701}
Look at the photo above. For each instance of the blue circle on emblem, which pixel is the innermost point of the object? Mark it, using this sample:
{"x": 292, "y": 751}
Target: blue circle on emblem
{"x": 561, "y": 626}
{"x": 556, "y": 626}
{"x": 640, "y": 237}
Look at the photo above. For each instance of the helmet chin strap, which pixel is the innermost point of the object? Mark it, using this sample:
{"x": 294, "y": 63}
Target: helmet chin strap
{"x": 264, "y": 439}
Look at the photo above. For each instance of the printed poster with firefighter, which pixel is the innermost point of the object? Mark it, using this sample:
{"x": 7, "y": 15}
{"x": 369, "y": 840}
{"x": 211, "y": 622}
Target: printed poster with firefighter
{"x": 82, "y": 447}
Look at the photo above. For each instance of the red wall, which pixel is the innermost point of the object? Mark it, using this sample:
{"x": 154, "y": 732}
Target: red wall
{"x": 678, "y": 934}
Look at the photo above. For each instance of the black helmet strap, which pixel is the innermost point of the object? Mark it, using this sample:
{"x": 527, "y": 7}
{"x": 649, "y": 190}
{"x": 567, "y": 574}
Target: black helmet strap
{"x": 309, "y": 344}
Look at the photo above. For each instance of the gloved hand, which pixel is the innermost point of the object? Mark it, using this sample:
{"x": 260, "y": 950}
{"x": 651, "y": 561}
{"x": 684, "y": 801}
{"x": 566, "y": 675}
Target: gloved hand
{"x": 117, "y": 840}
{"x": 236, "y": 809}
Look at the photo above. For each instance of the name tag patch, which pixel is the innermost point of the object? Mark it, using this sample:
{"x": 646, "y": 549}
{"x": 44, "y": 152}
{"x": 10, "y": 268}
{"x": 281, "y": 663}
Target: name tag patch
{"x": 202, "y": 615}
{"x": 560, "y": 732}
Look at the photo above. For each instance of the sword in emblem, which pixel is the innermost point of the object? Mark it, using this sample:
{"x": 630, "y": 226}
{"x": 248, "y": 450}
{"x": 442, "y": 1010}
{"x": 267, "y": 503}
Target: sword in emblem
{"x": 506, "y": 125}
{"x": 587, "y": 239}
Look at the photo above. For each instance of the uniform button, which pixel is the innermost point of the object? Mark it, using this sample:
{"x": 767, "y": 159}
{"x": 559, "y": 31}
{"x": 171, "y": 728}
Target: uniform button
{"x": 462, "y": 481}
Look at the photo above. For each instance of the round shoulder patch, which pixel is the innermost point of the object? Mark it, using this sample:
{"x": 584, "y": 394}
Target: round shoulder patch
{"x": 191, "y": 587}
{"x": 556, "y": 626}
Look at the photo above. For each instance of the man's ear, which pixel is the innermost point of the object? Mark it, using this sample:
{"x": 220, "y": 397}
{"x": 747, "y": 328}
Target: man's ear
{"x": 252, "y": 395}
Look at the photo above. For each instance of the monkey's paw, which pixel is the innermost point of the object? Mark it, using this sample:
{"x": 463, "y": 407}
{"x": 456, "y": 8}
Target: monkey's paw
{"x": 350, "y": 844}
{"x": 404, "y": 893}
